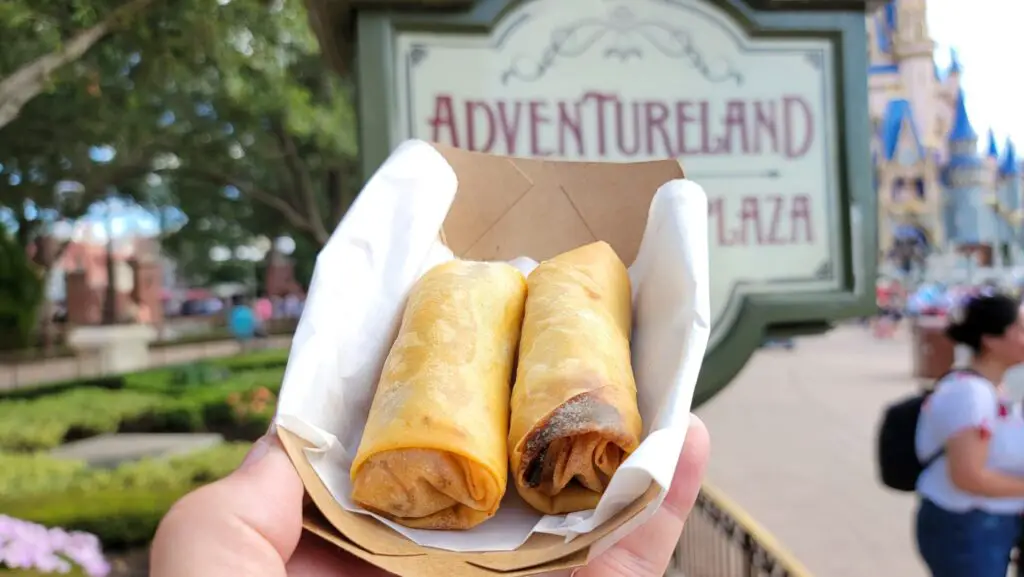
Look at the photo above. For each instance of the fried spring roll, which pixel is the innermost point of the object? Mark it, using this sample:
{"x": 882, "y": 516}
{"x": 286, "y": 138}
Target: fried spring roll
{"x": 574, "y": 409}
{"x": 433, "y": 453}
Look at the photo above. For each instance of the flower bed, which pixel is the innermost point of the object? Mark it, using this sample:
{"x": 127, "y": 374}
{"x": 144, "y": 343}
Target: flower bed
{"x": 28, "y": 548}
{"x": 121, "y": 506}
{"x": 235, "y": 397}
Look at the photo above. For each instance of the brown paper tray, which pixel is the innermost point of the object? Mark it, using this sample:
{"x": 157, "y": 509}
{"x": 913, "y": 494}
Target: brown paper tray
{"x": 504, "y": 208}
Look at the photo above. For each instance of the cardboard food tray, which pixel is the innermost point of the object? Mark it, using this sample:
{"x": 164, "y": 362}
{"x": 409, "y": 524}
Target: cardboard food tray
{"x": 505, "y": 208}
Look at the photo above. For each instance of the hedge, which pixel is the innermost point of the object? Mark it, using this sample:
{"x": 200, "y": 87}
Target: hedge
{"x": 264, "y": 359}
{"x": 239, "y": 407}
{"x": 121, "y": 506}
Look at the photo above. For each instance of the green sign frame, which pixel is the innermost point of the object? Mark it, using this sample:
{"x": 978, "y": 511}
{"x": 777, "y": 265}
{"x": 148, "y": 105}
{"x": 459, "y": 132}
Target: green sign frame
{"x": 759, "y": 315}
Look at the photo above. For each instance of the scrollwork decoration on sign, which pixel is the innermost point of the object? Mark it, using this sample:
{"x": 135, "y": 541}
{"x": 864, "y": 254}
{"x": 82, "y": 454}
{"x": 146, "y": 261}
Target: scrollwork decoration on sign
{"x": 816, "y": 59}
{"x": 628, "y": 37}
{"x": 824, "y": 270}
{"x": 417, "y": 54}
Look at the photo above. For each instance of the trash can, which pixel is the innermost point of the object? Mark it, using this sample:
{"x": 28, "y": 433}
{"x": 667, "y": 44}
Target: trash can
{"x": 934, "y": 354}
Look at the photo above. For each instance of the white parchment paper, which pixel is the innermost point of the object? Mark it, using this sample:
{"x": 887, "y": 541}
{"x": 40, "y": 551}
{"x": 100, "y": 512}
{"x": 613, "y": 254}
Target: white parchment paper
{"x": 388, "y": 239}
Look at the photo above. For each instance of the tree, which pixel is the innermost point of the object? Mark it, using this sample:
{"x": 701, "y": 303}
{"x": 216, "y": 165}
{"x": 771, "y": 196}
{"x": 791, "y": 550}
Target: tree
{"x": 41, "y": 37}
{"x": 21, "y": 291}
{"x": 270, "y": 127}
{"x": 223, "y": 110}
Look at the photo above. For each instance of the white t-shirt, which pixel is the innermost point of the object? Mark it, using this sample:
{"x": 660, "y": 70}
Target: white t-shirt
{"x": 964, "y": 400}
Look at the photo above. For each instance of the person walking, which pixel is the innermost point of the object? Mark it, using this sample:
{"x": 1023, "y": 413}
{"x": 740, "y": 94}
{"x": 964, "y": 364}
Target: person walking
{"x": 264, "y": 310}
{"x": 971, "y": 441}
{"x": 242, "y": 321}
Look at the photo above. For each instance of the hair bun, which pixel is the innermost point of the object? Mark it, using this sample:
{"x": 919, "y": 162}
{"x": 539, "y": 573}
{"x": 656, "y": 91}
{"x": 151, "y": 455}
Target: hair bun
{"x": 959, "y": 333}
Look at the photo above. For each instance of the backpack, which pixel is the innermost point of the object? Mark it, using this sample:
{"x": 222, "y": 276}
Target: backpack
{"x": 898, "y": 464}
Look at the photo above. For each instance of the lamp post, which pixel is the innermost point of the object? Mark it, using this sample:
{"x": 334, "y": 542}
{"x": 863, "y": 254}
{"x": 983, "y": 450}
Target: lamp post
{"x": 110, "y": 298}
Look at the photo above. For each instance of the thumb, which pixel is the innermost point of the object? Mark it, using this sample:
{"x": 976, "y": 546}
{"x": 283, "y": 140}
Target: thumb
{"x": 248, "y": 523}
{"x": 647, "y": 551}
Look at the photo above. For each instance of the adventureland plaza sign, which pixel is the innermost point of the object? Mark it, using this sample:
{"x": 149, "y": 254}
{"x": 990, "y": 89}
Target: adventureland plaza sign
{"x": 757, "y": 119}
{"x": 751, "y": 120}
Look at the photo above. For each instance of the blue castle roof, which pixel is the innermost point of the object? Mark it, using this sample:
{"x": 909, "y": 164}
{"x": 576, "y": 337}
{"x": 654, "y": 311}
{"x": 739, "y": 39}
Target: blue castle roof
{"x": 890, "y": 15}
{"x": 882, "y": 36}
{"x": 962, "y": 129}
{"x": 898, "y": 115}
{"x": 1009, "y": 166}
{"x": 992, "y": 149}
{"x": 954, "y": 62}
{"x": 962, "y": 132}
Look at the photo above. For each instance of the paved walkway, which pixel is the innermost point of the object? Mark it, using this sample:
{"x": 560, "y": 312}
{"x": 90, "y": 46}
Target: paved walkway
{"x": 793, "y": 444}
{"x": 27, "y": 374}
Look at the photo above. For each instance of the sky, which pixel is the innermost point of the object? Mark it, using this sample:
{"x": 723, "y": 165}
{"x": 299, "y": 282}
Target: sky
{"x": 985, "y": 34}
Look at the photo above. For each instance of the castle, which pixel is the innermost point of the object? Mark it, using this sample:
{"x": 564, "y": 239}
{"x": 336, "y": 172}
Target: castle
{"x": 938, "y": 190}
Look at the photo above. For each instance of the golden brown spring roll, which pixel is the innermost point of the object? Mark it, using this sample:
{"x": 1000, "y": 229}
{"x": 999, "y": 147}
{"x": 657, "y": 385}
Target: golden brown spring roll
{"x": 433, "y": 453}
{"x": 574, "y": 412}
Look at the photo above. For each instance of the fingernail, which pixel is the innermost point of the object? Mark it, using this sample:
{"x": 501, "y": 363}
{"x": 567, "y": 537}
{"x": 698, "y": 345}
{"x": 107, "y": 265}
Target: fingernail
{"x": 259, "y": 450}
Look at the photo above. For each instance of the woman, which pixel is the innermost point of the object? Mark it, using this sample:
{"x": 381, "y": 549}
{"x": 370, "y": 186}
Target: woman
{"x": 264, "y": 310}
{"x": 972, "y": 490}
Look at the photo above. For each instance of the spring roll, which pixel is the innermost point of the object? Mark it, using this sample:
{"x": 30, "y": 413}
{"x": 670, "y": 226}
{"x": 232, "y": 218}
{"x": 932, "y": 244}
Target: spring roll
{"x": 574, "y": 409}
{"x": 433, "y": 453}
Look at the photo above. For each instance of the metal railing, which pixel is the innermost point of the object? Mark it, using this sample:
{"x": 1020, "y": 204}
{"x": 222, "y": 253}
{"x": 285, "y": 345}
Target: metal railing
{"x": 721, "y": 540}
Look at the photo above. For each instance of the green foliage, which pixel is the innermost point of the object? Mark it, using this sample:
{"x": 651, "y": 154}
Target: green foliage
{"x": 199, "y": 374}
{"x": 74, "y": 572}
{"x": 121, "y": 506}
{"x": 121, "y": 519}
{"x": 157, "y": 406}
{"x": 27, "y": 476}
{"x": 36, "y": 473}
{"x": 197, "y": 98}
{"x": 47, "y": 422}
{"x": 155, "y": 380}
{"x": 124, "y": 505}
{"x": 21, "y": 292}
{"x": 264, "y": 359}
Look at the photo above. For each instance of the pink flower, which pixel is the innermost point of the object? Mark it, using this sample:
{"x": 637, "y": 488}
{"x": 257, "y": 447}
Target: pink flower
{"x": 25, "y": 545}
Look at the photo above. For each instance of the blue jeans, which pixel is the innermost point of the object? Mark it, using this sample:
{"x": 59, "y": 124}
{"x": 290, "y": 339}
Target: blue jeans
{"x": 971, "y": 544}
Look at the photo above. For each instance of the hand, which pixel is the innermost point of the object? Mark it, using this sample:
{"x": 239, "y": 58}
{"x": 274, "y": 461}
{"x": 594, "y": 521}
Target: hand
{"x": 250, "y": 523}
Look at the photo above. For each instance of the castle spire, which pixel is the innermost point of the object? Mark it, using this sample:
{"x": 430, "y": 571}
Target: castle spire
{"x": 1009, "y": 165}
{"x": 954, "y": 62}
{"x": 992, "y": 149}
{"x": 962, "y": 129}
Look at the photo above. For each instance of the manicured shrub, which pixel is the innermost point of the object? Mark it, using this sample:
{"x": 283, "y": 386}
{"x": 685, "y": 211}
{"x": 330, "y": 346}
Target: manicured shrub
{"x": 47, "y": 422}
{"x": 262, "y": 359}
{"x": 37, "y": 473}
{"x": 121, "y": 519}
{"x": 121, "y": 506}
{"x": 160, "y": 380}
{"x": 149, "y": 402}
{"x": 32, "y": 475}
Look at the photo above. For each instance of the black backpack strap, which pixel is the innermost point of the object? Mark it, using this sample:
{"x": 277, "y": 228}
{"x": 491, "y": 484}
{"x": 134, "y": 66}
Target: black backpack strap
{"x": 931, "y": 460}
{"x": 942, "y": 451}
